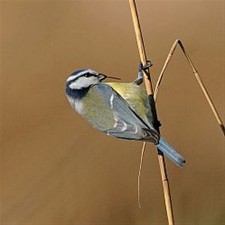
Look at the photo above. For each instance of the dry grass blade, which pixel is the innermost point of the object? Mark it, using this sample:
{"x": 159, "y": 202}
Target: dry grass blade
{"x": 139, "y": 174}
{"x": 197, "y": 76}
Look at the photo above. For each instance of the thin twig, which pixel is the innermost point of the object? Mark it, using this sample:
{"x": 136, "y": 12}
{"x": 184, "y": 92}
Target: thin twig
{"x": 149, "y": 89}
{"x": 197, "y": 76}
{"x": 139, "y": 174}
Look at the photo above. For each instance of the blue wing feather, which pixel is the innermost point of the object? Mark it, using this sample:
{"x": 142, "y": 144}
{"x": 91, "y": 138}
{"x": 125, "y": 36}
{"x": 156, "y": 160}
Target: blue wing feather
{"x": 128, "y": 125}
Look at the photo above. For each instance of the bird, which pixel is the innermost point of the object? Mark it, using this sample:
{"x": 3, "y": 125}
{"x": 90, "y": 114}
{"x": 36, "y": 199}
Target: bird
{"x": 118, "y": 109}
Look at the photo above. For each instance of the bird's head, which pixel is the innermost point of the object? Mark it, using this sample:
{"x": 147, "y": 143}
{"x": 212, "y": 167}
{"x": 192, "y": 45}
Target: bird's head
{"x": 84, "y": 78}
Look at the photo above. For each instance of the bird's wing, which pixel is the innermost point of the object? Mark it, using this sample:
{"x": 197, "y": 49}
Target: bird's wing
{"x": 128, "y": 125}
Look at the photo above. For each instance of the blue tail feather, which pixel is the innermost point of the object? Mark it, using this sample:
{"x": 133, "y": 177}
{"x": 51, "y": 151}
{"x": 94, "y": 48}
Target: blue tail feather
{"x": 170, "y": 152}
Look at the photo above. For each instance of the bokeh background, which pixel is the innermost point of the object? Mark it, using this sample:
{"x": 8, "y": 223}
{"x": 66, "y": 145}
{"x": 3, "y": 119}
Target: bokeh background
{"x": 55, "y": 168}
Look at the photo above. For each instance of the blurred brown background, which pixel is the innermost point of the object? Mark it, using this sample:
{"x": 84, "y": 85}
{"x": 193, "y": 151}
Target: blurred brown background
{"x": 55, "y": 168}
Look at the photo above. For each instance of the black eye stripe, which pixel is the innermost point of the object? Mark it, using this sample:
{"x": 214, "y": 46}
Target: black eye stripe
{"x": 84, "y": 75}
{"x": 89, "y": 75}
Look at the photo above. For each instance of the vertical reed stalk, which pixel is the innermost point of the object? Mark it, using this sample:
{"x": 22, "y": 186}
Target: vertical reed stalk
{"x": 149, "y": 89}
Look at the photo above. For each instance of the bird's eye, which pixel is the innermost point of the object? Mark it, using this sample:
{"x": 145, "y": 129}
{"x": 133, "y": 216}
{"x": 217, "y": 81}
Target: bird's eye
{"x": 87, "y": 75}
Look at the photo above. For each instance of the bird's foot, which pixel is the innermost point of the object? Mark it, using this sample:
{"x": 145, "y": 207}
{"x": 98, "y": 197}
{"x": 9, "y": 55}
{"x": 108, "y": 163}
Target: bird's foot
{"x": 142, "y": 68}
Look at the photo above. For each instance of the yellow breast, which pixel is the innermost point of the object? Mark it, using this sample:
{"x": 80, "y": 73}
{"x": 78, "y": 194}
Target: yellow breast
{"x": 134, "y": 95}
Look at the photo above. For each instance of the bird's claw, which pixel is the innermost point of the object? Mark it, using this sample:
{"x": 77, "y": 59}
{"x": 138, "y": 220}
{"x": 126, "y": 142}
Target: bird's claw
{"x": 142, "y": 68}
{"x": 146, "y": 66}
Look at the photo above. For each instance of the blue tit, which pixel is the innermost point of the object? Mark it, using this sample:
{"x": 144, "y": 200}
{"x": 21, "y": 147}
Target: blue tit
{"x": 121, "y": 110}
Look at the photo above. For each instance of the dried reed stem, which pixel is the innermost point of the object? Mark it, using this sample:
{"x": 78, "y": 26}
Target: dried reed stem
{"x": 139, "y": 173}
{"x": 149, "y": 89}
{"x": 197, "y": 76}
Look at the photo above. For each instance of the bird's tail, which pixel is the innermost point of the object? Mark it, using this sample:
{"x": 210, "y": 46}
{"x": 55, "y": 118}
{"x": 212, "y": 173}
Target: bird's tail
{"x": 170, "y": 152}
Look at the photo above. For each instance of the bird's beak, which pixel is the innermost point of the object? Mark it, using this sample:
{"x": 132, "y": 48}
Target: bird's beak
{"x": 103, "y": 77}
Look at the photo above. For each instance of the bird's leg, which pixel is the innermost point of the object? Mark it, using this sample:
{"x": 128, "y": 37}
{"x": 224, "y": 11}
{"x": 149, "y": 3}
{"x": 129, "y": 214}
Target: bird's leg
{"x": 142, "y": 68}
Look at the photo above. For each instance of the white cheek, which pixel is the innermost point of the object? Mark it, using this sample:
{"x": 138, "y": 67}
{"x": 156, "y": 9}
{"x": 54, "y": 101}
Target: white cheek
{"x": 83, "y": 82}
